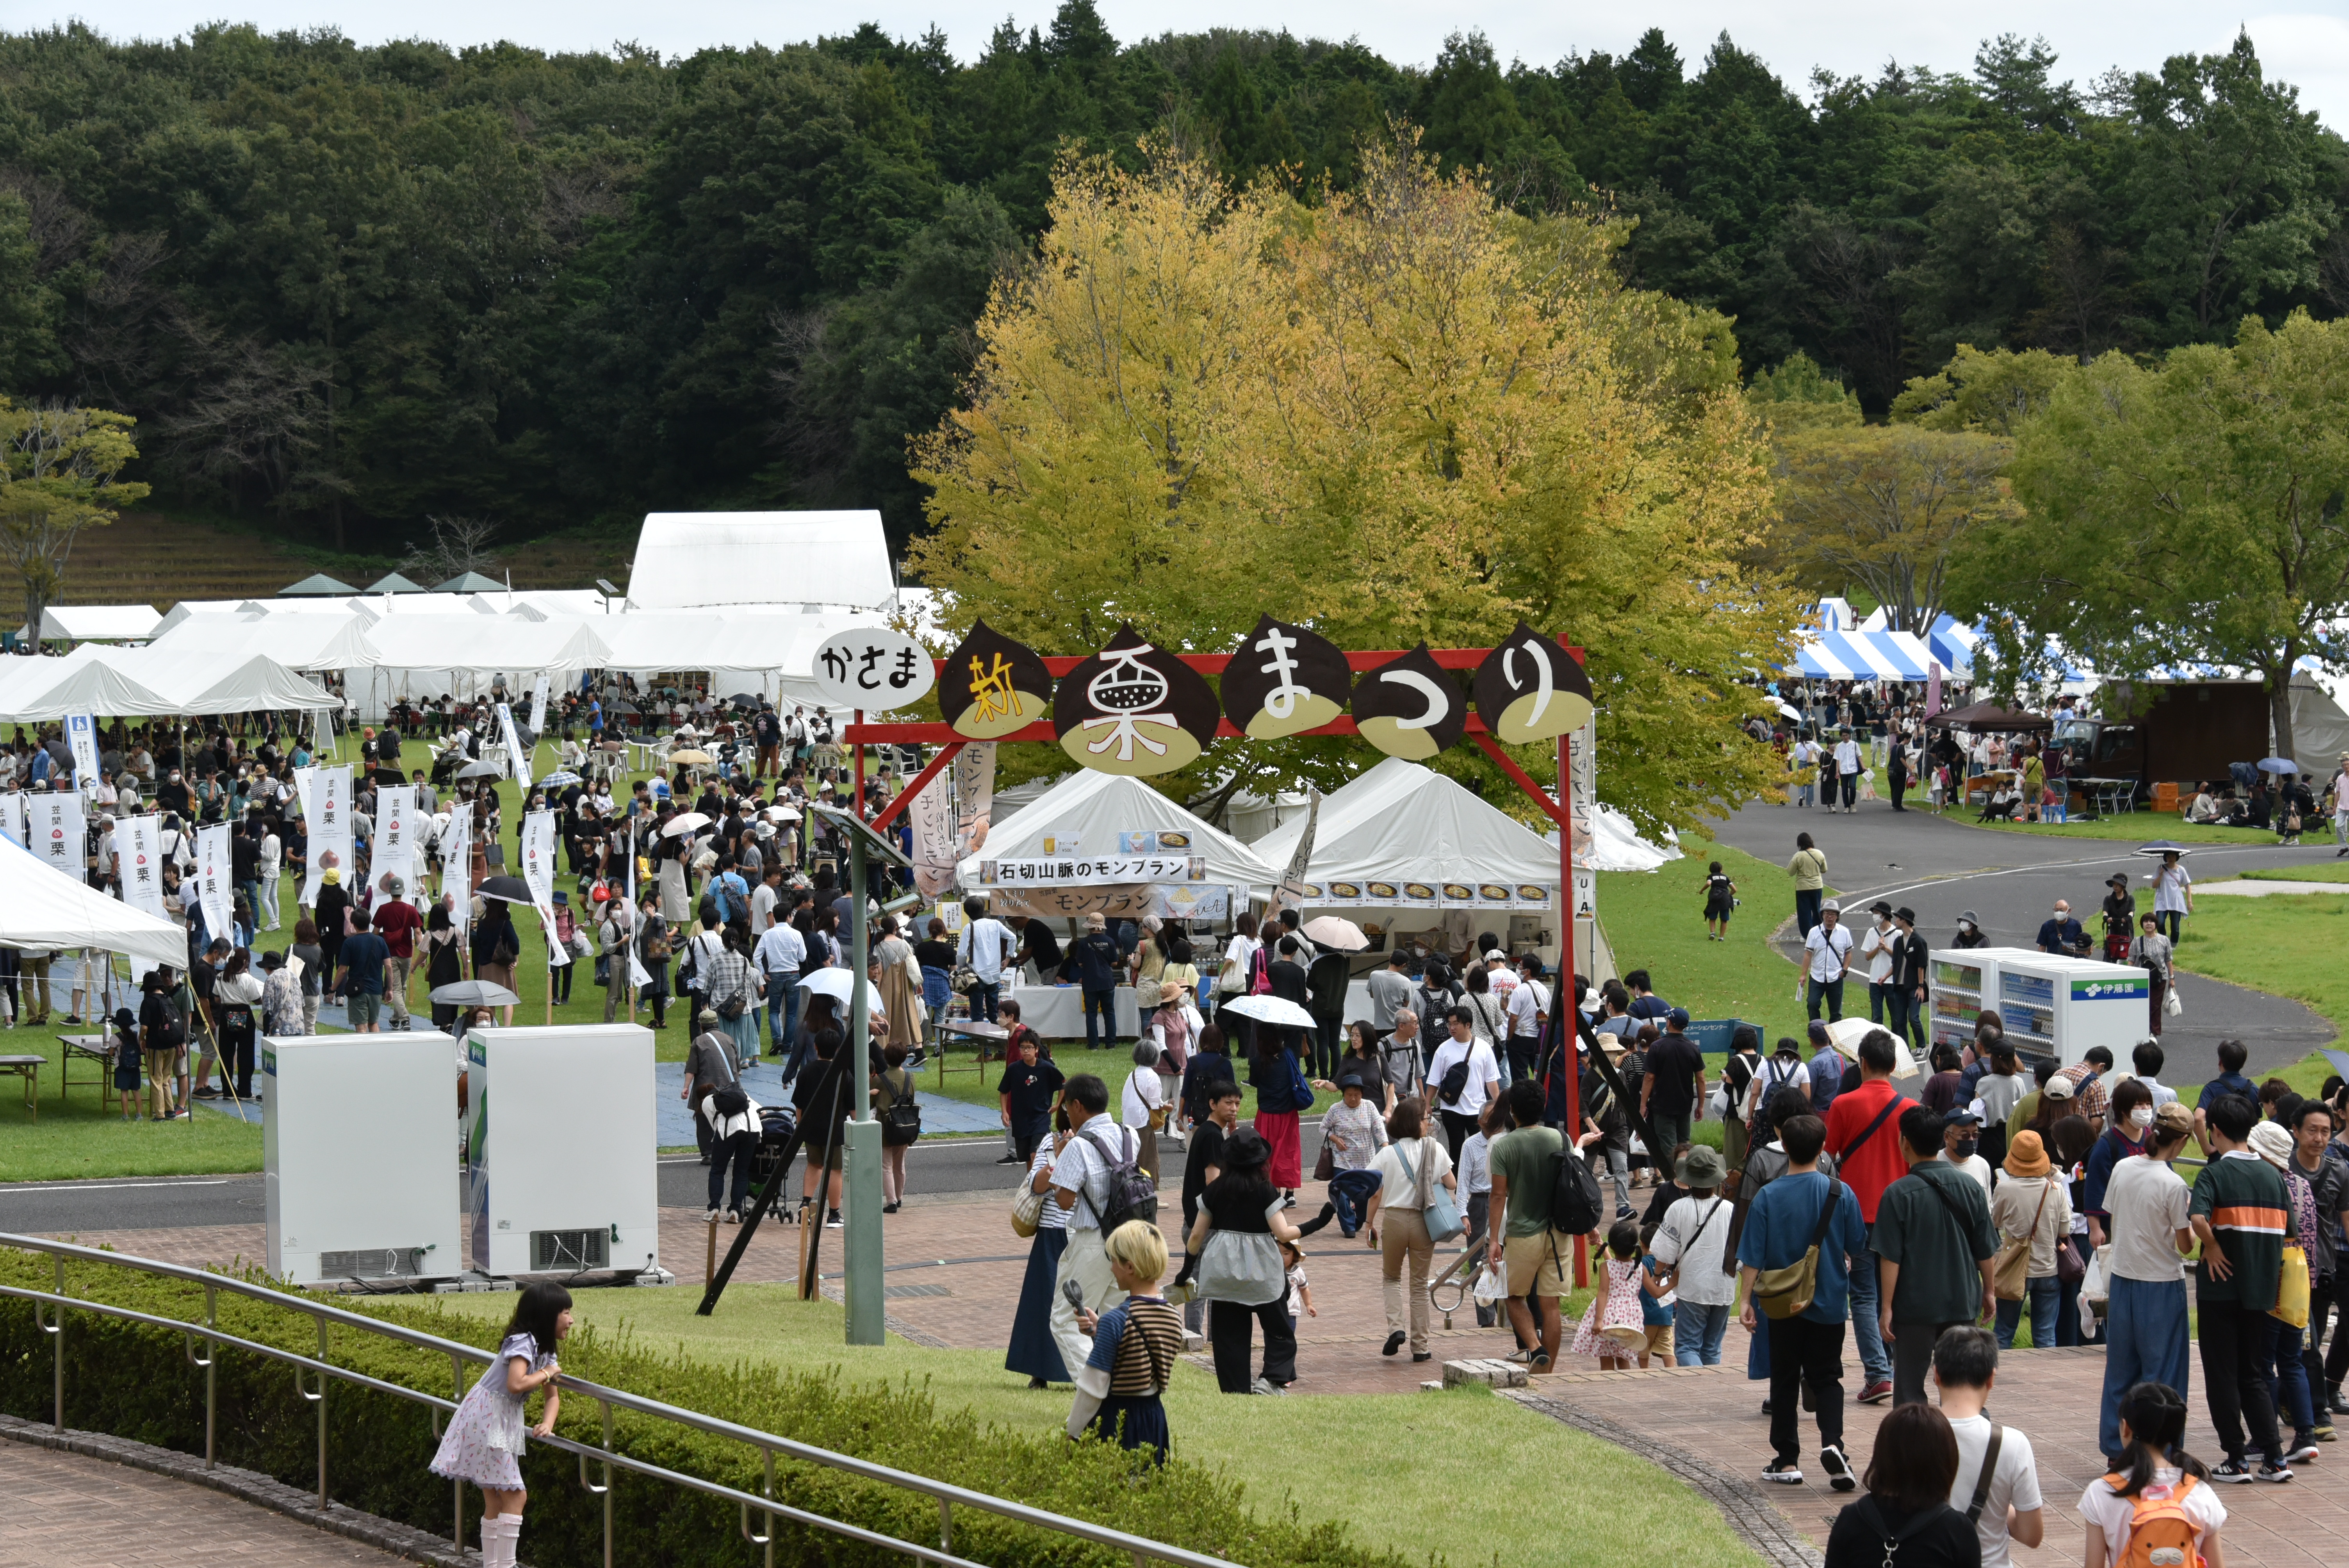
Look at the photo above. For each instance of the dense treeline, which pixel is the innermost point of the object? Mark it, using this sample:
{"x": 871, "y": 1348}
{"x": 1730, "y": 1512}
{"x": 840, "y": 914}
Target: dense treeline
{"x": 355, "y": 286}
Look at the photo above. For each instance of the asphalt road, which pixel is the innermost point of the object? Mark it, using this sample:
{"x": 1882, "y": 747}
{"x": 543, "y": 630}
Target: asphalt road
{"x": 1939, "y": 867}
{"x": 167, "y": 1203}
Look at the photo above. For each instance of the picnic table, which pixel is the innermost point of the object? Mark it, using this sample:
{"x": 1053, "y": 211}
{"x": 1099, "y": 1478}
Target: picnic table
{"x": 27, "y": 1068}
{"x": 98, "y": 1049}
{"x": 980, "y": 1033}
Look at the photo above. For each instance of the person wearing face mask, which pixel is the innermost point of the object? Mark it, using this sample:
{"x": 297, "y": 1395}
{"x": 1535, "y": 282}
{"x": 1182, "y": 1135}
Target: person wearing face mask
{"x": 1969, "y": 931}
{"x": 2061, "y": 934}
{"x": 1962, "y": 1143}
{"x": 2124, "y": 1140}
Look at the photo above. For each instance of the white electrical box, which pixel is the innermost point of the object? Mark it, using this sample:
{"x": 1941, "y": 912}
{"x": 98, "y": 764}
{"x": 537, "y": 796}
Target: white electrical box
{"x": 359, "y": 1150}
{"x": 2050, "y": 1005}
{"x": 562, "y": 1156}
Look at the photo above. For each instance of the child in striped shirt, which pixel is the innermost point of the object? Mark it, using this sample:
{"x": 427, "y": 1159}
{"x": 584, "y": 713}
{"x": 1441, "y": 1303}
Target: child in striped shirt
{"x": 1134, "y": 1347}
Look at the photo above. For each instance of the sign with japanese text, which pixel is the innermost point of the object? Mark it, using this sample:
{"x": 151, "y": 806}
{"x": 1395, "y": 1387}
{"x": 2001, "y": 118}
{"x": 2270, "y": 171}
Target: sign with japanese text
{"x": 973, "y": 793}
{"x": 57, "y": 827}
{"x": 1102, "y": 871}
{"x": 930, "y": 818}
{"x": 1134, "y": 708}
{"x": 873, "y": 668}
{"x": 1061, "y": 903}
{"x": 457, "y": 863}
{"x": 12, "y": 818}
{"x": 81, "y": 734}
{"x": 138, "y": 858}
{"x": 538, "y": 707}
{"x": 1581, "y": 806}
{"x": 993, "y": 685}
{"x": 326, "y": 806}
{"x": 515, "y": 754}
{"x": 396, "y": 826}
{"x": 215, "y": 885}
{"x": 538, "y": 875}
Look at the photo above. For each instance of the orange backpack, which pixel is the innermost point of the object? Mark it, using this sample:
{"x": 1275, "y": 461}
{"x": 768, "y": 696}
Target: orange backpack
{"x": 2161, "y": 1534}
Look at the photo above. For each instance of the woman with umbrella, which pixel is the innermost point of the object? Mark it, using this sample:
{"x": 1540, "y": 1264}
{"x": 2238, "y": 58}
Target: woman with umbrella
{"x": 676, "y": 892}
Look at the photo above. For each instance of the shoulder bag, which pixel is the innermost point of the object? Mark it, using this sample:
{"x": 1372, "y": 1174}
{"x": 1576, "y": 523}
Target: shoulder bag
{"x": 2012, "y": 1272}
{"x": 1438, "y": 1210}
{"x": 1028, "y": 1207}
{"x": 1788, "y": 1291}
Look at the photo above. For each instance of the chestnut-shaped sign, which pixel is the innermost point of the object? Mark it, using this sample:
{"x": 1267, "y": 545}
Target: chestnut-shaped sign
{"x": 1134, "y": 708}
{"x": 1530, "y": 688}
{"x": 1284, "y": 680}
{"x": 993, "y": 685}
{"x": 1409, "y": 706}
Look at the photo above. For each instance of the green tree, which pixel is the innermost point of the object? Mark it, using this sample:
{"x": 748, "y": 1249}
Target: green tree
{"x": 59, "y": 473}
{"x": 2190, "y": 512}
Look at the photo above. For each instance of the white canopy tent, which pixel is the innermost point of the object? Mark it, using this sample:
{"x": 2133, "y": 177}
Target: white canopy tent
{"x": 43, "y": 908}
{"x": 1089, "y": 810}
{"x": 1399, "y": 824}
{"x": 150, "y": 683}
{"x": 689, "y": 561}
{"x": 98, "y": 622}
{"x": 307, "y": 642}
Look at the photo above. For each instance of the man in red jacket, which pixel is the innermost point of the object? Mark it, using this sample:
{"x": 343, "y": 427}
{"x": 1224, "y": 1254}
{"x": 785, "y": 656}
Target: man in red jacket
{"x": 1864, "y": 1136}
{"x": 396, "y": 922}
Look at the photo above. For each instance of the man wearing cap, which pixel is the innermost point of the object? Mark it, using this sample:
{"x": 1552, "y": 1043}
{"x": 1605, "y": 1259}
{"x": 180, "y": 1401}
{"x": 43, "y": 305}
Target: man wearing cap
{"x": 396, "y": 922}
{"x": 1671, "y": 1091}
{"x": 1879, "y": 952}
{"x": 1826, "y": 954}
{"x": 1961, "y": 1145}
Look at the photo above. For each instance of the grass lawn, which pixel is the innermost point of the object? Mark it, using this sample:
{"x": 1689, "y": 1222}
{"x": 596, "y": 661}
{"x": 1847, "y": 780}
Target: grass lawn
{"x": 86, "y": 1136}
{"x": 1458, "y": 1447}
{"x": 2327, "y": 870}
{"x": 2286, "y": 945}
{"x": 2136, "y": 828}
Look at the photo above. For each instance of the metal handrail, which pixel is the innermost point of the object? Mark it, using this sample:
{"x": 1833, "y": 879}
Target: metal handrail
{"x": 947, "y": 1496}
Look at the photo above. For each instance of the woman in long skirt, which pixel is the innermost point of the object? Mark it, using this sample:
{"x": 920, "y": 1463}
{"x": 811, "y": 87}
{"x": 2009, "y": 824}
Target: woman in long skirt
{"x": 1033, "y": 1350}
{"x": 1277, "y": 1079}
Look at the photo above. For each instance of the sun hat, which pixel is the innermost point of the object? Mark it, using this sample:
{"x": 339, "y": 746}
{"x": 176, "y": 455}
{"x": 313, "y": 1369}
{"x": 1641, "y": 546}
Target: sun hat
{"x": 1703, "y": 1166}
{"x": 2271, "y": 1142}
{"x": 2026, "y": 1156}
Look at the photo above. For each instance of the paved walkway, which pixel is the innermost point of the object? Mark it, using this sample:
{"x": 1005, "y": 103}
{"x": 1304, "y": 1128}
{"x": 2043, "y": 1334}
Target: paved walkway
{"x": 70, "y": 1510}
{"x": 2245, "y": 888}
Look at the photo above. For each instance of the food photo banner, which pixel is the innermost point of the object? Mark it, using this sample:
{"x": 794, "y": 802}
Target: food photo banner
{"x": 1134, "y": 708}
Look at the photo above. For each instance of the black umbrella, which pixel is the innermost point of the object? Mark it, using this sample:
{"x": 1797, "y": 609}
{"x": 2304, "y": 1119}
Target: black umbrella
{"x": 2164, "y": 847}
{"x": 744, "y": 699}
{"x": 513, "y": 890}
{"x": 473, "y": 993}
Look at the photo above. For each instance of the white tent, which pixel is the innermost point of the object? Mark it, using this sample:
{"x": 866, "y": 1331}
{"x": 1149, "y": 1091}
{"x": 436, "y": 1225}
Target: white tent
{"x": 687, "y": 560}
{"x": 1088, "y": 811}
{"x": 1617, "y": 846}
{"x": 1401, "y": 823}
{"x": 307, "y": 642}
{"x": 42, "y": 907}
{"x": 98, "y": 622}
{"x": 150, "y": 683}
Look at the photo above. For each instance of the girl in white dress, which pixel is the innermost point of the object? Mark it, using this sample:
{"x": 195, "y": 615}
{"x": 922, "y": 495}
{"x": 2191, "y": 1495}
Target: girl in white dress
{"x": 484, "y": 1441}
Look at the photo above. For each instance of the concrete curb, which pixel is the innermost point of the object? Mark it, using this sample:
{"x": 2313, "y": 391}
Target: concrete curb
{"x": 247, "y": 1486}
{"x": 1743, "y": 1503}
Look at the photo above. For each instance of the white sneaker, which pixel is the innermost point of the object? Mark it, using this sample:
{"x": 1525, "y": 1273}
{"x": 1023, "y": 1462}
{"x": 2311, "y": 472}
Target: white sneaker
{"x": 1266, "y": 1386}
{"x": 710, "y": 1218}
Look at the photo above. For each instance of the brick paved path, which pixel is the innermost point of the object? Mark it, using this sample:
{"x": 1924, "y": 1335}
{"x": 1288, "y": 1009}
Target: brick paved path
{"x": 69, "y": 1510}
{"x": 954, "y": 1277}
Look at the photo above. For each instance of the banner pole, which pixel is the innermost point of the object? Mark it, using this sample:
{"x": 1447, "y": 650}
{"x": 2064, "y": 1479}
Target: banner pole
{"x": 1562, "y": 994}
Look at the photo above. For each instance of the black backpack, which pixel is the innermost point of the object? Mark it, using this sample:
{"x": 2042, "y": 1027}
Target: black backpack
{"x": 1575, "y": 1206}
{"x": 1132, "y": 1194}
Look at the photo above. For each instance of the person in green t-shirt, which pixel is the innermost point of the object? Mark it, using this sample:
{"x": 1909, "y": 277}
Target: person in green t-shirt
{"x": 1934, "y": 1244}
{"x": 1525, "y": 1172}
{"x": 2243, "y": 1217}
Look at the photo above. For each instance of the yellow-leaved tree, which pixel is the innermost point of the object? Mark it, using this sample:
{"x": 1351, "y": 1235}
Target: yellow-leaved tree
{"x": 1404, "y": 413}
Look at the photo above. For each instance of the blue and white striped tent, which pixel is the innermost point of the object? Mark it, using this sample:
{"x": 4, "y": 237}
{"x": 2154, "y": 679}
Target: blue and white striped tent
{"x": 1850, "y": 655}
{"x": 1953, "y": 643}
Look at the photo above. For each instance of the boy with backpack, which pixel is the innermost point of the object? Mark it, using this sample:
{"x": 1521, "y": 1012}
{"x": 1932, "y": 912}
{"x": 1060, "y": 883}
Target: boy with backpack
{"x": 1541, "y": 1201}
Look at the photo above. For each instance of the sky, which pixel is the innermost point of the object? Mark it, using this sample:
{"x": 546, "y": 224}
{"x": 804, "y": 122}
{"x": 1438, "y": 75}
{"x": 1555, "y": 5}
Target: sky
{"x": 2306, "y": 43}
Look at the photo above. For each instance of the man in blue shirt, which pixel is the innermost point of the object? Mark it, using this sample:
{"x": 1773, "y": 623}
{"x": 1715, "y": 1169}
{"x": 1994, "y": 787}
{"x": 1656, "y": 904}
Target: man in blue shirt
{"x": 2061, "y": 934}
{"x": 2230, "y": 1080}
{"x": 1807, "y": 1349}
{"x": 1826, "y": 1070}
{"x": 1096, "y": 960}
{"x": 364, "y": 956}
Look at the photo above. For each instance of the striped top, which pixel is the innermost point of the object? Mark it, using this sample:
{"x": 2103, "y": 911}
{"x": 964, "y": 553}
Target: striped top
{"x": 2243, "y": 1198}
{"x": 1136, "y": 1342}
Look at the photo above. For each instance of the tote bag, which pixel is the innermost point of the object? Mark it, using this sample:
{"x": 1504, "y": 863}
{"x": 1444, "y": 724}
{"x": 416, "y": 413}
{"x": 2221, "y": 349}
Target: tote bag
{"x": 1242, "y": 1267}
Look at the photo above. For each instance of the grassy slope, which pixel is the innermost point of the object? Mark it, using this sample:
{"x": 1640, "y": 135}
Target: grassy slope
{"x": 2135, "y": 827}
{"x": 2327, "y": 870}
{"x": 2290, "y": 946}
{"x": 86, "y": 1136}
{"x": 1463, "y": 1447}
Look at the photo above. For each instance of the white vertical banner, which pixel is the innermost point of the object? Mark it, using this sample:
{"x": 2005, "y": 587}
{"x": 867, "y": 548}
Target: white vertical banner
{"x": 638, "y": 975}
{"x": 515, "y": 753}
{"x": 139, "y": 846}
{"x": 12, "y": 819}
{"x": 973, "y": 793}
{"x": 81, "y": 734}
{"x": 329, "y": 810}
{"x": 932, "y": 820}
{"x": 215, "y": 882}
{"x": 457, "y": 862}
{"x": 396, "y": 825}
{"x": 538, "y": 707}
{"x": 324, "y": 746}
{"x": 1581, "y": 808}
{"x": 57, "y": 830}
{"x": 538, "y": 875}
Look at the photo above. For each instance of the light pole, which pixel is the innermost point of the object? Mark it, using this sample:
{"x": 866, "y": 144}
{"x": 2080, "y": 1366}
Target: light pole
{"x": 861, "y": 1168}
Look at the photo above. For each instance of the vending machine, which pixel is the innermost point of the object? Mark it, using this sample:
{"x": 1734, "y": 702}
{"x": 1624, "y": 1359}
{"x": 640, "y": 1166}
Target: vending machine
{"x": 2060, "y": 1007}
{"x": 561, "y": 1158}
{"x": 358, "y": 1155}
{"x": 1965, "y": 981}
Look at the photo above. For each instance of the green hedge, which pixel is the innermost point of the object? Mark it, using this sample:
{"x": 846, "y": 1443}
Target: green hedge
{"x": 137, "y": 1382}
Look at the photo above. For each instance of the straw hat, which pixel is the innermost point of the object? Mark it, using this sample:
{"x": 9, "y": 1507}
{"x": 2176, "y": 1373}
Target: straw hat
{"x": 2026, "y": 1156}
